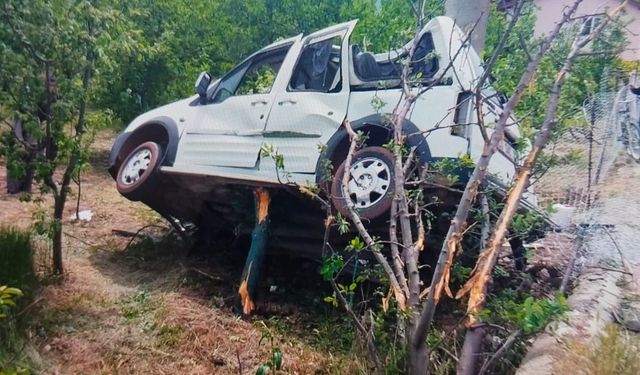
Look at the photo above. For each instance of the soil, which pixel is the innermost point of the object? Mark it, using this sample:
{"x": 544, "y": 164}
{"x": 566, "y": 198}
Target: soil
{"x": 148, "y": 307}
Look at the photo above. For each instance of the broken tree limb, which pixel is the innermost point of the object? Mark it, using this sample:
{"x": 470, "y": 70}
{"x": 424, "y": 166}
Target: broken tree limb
{"x": 472, "y": 346}
{"x": 255, "y": 258}
{"x": 477, "y": 285}
{"x": 398, "y": 291}
{"x": 458, "y": 223}
{"x": 488, "y": 365}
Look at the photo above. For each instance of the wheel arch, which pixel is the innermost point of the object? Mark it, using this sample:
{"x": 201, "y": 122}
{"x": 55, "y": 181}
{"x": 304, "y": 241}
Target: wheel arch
{"x": 162, "y": 130}
{"x": 379, "y": 134}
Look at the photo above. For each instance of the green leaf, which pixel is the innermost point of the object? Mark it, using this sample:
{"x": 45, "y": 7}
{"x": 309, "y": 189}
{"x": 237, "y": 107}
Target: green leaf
{"x": 331, "y": 265}
{"x": 264, "y": 369}
{"x": 277, "y": 358}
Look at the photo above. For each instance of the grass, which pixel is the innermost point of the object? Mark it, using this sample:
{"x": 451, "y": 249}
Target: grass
{"x": 615, "y": 351}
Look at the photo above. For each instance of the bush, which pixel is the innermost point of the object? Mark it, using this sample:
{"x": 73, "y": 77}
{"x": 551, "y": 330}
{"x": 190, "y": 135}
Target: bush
{"x": 16, "y": 260}
{"x": 16, "y": 272}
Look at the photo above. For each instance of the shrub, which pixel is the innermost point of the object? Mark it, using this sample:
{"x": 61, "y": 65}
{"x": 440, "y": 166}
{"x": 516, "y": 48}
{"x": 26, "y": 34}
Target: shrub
{"x": 16, "y": 259}
{"x": 17, "y": 276}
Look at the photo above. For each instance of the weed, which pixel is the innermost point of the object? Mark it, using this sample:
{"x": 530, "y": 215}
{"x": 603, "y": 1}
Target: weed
{"x": 136, "y": 306}
{"x": 169, "y": 336}
{"x": 527, "y": 313}
{"x": 276, "y": 360}
{"x": 615, "y": 352}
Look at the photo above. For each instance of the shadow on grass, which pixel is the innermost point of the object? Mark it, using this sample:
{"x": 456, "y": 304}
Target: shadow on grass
{"x": 290, "y": 300}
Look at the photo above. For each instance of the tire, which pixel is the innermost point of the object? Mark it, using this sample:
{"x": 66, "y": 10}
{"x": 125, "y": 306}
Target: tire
{"x": 375, "y": 166}
{"x": 633, "y": 141}
{"x": 138, "y": 174}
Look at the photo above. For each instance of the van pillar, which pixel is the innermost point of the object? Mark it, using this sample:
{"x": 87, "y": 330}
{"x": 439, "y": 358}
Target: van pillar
{"x": 255, "y": 258}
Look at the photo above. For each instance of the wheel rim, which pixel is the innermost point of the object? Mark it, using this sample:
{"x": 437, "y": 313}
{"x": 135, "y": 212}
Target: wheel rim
{"x": 136, "y": 165}
{"x": 369, "y": 182}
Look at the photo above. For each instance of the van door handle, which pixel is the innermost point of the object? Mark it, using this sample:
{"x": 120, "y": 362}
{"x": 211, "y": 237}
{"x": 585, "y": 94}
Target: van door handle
{"x": 287, "y": 101}
{"x": 261, "y": 102}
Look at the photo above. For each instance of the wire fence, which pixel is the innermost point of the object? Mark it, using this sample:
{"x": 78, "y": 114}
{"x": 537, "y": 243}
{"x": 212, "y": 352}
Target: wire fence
{"x": 595, "y": 185}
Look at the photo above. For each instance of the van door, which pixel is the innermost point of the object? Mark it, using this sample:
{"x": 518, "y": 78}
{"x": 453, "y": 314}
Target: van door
{"x": 227, "y": 130}
{"x": 314, "y": 104}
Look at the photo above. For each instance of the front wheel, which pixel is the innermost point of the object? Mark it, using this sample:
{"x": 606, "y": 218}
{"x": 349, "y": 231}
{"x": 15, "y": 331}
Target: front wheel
{"x": 371, "y": 185}
{"x": 137, "y": 175}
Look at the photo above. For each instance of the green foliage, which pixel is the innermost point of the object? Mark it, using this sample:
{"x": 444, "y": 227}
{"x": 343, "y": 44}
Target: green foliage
{"x": 527, "y": 223}
{"x": 452, "y": 169}
{"x": 269, "y": 151}
{"x": 460, "y": 273}
{"x": 8, "y": 299}
{"x": 331, "y": 265}
{"x": 136, "y": 306}
{"x": 388, "y": 27}
{"x": 342, "y": 223}
{"x": 586, "y": 74}
{"x": 17, "y": 271}
{"x": 257, "y": 82}
{"x": 275, "y": 362}
{"x": 528, "y": 313}
{"x": 16, "y": 259}
{"x": 356, "y": 244}
{"x": 17, "y": 371}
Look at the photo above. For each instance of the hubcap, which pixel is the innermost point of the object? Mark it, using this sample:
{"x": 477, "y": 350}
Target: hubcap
{"x": 369, "y": 182}
{"x": 135, "y": 166}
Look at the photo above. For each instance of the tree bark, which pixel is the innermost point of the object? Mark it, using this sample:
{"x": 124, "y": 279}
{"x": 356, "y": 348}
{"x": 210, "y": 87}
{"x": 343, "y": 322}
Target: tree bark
{"x": 468, "y": 364}
{"x": 466, "y": 14}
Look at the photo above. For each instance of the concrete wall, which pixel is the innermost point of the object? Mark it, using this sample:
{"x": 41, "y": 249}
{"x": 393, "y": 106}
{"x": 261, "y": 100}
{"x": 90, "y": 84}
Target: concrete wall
{"x": 550, "y": 12}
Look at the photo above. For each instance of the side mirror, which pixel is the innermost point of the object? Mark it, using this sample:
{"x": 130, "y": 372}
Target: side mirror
{"x": 202, "y": 84}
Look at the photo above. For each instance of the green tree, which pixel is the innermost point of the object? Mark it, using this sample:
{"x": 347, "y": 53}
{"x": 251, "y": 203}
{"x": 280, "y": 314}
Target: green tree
{"x": 50, "y": 53}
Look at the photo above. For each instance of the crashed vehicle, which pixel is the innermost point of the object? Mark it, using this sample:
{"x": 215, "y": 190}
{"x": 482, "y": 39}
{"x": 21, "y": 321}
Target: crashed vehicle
{"x": 194, "y": 160}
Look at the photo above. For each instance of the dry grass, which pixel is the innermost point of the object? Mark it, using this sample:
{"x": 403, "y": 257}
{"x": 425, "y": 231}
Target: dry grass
{"x": 140, "y": 312}
{"x": 615, "y": 351}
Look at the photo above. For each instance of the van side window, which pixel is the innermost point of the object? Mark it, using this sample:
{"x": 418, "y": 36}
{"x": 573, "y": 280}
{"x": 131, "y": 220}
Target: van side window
{"x": 254, "y": 76}
{"x": 319, "y": 67}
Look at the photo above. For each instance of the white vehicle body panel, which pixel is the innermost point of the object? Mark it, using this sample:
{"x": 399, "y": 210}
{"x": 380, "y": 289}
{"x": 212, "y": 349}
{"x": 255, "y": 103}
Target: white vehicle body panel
{"x": 301, "y": 120}
{"x": 230, "y": 133}
{"x": 223, "y": 139}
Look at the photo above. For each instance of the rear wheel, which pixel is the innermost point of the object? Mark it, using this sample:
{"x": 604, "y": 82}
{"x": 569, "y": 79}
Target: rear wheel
{"x": 137, "y": 175}
{"x": 370, "y": 187}
{"x": 633, "y": 141}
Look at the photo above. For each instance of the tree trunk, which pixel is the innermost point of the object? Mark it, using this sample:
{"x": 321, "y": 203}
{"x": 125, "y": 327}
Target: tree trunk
{"x": 58, "y": 210}
{"x": 466, "y": 13}
{"x": 468, "y": 364}
{"x": 255, "y": 258}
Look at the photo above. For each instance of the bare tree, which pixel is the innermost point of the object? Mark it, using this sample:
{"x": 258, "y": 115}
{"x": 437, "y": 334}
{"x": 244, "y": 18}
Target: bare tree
{"x": 477, "y": 285}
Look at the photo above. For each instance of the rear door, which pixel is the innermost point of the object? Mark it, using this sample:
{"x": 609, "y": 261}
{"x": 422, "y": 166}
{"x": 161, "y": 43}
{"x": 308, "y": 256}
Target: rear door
{"x": 315, "y": 100}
